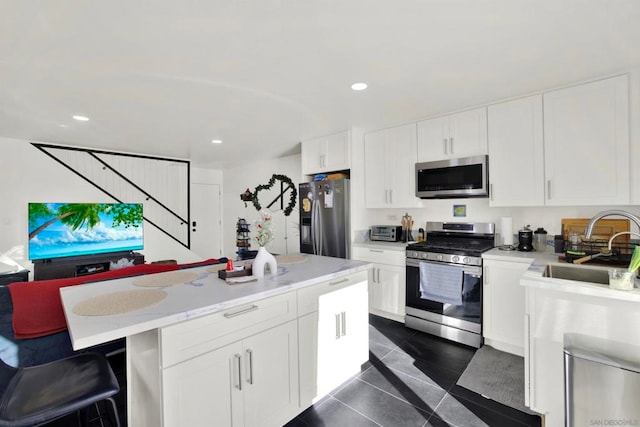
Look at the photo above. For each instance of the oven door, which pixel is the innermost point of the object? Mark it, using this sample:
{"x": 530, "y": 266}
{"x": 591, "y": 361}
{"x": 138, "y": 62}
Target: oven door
{"x": 467, "y": 316}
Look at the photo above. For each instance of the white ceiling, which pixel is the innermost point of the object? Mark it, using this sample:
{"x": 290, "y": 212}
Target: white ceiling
{"x": 165, "y": 77}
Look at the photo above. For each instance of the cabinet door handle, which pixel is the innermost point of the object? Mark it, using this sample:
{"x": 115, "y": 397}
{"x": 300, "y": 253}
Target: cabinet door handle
{"x": 337, "y": 282}
{"x": 238, "y": 360}
{"x": 343, "y": 316}
{"x": 378, "y": 275}
{"x": 338, "y": 326}
{"x": 444, "y": 145}
{"x": 548, "y": 189}
{"x": 491, "y": 192}
{"x": 250, "y": 362}
{"x": 376, "y": 250}
{"x": 450, "y": 145}
{"x": 386, "y": 196}
{"x": 390, "y": 197}
{"x": 241, "y": 312}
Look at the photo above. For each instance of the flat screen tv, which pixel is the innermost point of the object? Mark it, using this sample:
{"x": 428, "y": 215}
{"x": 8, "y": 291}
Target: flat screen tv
{"x": 70, "y": 229}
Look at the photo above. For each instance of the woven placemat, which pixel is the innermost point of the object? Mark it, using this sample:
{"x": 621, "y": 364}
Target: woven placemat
{"x": 162, "y": 280}
{"x": 119, "y": 302}
{"x": 291, "y": 259}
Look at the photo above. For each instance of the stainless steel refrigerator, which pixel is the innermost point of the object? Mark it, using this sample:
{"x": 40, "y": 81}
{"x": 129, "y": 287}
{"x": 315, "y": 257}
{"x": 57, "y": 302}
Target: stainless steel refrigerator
{"x": 324, "y": 218}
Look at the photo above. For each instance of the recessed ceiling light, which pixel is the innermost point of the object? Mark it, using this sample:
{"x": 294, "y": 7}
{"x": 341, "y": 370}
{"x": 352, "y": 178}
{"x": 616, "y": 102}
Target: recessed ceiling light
{"x": 63, "y": 126}
{"x": 359, "y": 86}
{"x": 81, "y": 118}
{"x": 216, "y": 141}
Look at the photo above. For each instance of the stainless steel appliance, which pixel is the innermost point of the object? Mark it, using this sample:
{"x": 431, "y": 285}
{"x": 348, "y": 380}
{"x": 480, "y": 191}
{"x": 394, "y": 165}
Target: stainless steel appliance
{"x": 444, "y": 280}
{"x": 386, "y": 233}
{"x": 324, "y": 218}
{"x": 461, "y": 177}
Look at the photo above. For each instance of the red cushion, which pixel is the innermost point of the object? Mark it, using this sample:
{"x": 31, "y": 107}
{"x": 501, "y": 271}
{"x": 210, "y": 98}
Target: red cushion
{"x": 37, "y": 308}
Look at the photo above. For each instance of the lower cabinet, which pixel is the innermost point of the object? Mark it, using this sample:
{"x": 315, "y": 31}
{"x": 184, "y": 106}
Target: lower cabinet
{"x": 387, "y": 281}
{"x": 503, "y": 305}
{"x": 334, "y": 339}
{"x": 252, "y": 382}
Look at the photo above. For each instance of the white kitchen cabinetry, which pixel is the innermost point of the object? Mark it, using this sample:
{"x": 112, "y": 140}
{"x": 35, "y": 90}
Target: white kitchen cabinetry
{"x": 516, "y": 156}
{"x": 503, "y": 304}
{"x": 390, "y": 158}
{"x": 387, "y": 280}
{"x": 586, "y": 144}
{"x": 248, "y": 383}
{"x": 233, "y": 368}
{"x": 326, "y": 154}
{"x": 334, "y": 334}
{"x": 456, "y": 135}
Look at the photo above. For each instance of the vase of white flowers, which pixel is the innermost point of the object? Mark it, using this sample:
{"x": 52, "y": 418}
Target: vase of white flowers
{"x": 264, "y": 234}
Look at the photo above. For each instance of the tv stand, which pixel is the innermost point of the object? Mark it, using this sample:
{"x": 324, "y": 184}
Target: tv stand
{"x": 82, "y": 265}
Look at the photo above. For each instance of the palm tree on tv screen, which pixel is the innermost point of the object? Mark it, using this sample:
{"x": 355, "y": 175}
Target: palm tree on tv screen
{"x": 77, "y": 215}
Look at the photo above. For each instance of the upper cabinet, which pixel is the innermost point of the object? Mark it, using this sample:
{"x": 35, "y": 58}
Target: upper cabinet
{"x": 456, "y": 135}
{"x": 568, "y": 147}
{"x": 516, "y": 157}
{"x": 326, "y": 154}
{"x": 586, "y": 144}
{"x": 390, "y": 158}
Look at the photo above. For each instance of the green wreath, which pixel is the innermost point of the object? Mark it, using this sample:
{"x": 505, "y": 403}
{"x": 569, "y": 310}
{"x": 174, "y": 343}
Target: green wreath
{"x": 292, "y": 197}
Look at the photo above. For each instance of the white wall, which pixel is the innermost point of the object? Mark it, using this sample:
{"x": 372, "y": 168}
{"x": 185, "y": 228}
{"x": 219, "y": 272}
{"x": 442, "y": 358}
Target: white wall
{"x": 250, "y": 175}
{"x": 28, "y": 175}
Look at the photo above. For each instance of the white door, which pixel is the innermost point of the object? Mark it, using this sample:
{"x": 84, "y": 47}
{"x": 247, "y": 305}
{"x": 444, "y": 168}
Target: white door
{"x": 206, "y": 233}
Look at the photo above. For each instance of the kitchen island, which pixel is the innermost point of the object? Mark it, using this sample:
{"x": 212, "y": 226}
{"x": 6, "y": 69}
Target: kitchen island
{"x": 207, "y": 352}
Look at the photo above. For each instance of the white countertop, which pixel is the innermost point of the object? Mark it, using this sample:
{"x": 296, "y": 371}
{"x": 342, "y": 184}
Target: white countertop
{"x": 207, "y": 294}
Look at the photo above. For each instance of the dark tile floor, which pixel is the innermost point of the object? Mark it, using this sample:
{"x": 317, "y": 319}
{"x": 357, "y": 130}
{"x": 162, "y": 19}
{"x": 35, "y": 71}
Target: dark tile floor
{"x": 410, "y": 380}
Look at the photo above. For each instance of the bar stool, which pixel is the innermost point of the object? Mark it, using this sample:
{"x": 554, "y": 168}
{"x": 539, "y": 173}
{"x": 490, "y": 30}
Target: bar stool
{"x": 39, "y": 394}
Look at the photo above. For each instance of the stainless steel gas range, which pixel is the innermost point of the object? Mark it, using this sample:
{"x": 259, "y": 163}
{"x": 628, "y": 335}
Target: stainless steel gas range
{"x": 444, "y": 280}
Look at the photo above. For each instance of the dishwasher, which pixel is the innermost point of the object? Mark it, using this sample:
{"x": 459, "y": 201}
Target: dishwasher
{"x": 602, "y": 382}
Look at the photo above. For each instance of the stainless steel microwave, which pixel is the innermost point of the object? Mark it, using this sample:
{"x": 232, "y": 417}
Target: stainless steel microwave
{"x": 453, "y": 178}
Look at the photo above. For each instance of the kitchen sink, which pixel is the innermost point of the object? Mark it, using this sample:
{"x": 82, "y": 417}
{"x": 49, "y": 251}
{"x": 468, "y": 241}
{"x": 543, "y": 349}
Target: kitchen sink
{"x": 577, "y": 273}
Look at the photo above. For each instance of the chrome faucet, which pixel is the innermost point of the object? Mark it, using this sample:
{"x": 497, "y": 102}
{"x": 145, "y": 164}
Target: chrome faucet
{"x": 592, "y": 222}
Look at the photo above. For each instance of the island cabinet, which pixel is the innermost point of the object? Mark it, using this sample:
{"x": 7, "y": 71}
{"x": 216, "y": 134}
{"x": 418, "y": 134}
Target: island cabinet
{"x": 390, "y": 158}
{"x": 387, "y": 279}
{"x": 234, "y": 368}
{"x": 333, "y": 334}
{"x": 326, "y": 154}
{"x": 503, "y": 304}
{"x": 258, "y": 364}
{"x": 456, "y": 135}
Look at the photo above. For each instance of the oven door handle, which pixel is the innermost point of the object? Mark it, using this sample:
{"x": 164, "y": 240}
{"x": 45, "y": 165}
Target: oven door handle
{"x": 473, "y": 270}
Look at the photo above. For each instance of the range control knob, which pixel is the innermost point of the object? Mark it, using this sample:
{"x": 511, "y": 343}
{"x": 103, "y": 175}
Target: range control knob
{"x": 465, "y": 260}
{"x": 455, "y": 258}
{"x": 439, "y": 257}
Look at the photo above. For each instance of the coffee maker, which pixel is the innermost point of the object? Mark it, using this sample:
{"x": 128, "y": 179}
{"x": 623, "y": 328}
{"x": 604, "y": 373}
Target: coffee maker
{"x": 525, "y": 239}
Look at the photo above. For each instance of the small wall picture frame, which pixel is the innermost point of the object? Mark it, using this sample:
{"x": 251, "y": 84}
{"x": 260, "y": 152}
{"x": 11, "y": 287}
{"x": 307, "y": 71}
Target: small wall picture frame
{"x": 459, "y": 211}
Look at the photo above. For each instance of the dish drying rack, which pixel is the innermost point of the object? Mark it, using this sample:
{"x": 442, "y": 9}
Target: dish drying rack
{"x": 620, "y": 251}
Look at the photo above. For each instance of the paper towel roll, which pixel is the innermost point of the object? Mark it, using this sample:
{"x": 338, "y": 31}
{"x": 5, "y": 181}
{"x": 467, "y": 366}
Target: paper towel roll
{"x": 506, "y": 229}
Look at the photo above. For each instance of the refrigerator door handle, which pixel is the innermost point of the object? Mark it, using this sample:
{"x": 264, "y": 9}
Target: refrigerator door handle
{"x": 316, "y": 232}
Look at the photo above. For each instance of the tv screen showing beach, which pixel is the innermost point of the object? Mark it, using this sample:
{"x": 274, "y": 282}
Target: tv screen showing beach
{"x": 71, "y": 229}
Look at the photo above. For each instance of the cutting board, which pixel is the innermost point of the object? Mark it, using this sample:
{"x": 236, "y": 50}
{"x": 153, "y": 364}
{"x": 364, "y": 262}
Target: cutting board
{"x": 603, "y": 230}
